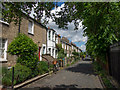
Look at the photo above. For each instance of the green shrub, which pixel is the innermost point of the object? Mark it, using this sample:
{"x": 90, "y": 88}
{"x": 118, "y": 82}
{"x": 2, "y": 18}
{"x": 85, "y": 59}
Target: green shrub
{"x": 68, "y": 65}
{"x": 6, "y": 77}
{"x": 22, "y": 45}
{"x": 35, "y": 72}
{"x": 29, "y": 61}
{"x": 51, "y": 67}
{"x": 42, "y": 67}
{"x": 25, "y": 49}
{"x": 3, "y": 71}
{"x": 21, "y": 73}
{"x": 97, "y": 66}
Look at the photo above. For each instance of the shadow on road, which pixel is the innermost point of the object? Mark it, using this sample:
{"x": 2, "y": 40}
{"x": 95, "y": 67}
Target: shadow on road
{"x": 85, "y": 68}
{"x": 66, "y": 86}
{"x": 60, "y": 88}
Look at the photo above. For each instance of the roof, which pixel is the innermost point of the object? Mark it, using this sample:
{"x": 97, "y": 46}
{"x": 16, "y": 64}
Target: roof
{"x": 73, "y": 44}
{"x": 51, "y": 29}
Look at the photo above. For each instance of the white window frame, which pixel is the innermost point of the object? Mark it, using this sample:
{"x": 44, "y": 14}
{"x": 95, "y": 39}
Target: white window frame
{"x": 4, "y": 22}
{"x": 65, "y": 45}
{"x": 5, "y": 51}
{"x": 43, "y": 52}
{"x": 31, "y": 32}
{"x": 72, "y": 47}
{"x": 67, "y": 55}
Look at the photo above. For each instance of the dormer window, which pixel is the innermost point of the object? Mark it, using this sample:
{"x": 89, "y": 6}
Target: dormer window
{"x": 31, "y": 27}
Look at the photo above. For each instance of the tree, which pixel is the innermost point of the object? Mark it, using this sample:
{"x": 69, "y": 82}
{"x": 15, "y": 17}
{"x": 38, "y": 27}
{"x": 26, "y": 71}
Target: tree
{"x": 61, "y": 53}
{"x": 76, "y": 55}
{"x": 101, "y": 20}
{"x": 13, "y": 11}
{"x": 25, "y": 49}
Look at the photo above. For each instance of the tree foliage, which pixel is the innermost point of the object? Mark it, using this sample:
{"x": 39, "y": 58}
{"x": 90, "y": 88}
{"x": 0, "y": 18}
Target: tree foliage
{"x": 13, "y": 11}
{"x": 61, "y": 53}
{"x": 101, "y": 19}
{"x": 75, "y": 53}
{"x": 25, "y": 49}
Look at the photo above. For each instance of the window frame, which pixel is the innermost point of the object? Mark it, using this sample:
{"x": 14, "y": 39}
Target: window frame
{"x": 32, "y": 30}
{"x": 5, "y": 49}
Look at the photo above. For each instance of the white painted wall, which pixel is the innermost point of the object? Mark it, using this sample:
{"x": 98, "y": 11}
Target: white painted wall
{"x": 41, "y": 51}
{"x": 51, "y": 43}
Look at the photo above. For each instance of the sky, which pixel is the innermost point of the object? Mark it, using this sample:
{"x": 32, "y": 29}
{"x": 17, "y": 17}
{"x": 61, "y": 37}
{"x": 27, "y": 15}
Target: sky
{"x": 73, "y": 35}
{"x": 76, "y": 36}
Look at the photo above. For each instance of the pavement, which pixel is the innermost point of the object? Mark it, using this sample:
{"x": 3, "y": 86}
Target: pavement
{"x": 79, "y": 75}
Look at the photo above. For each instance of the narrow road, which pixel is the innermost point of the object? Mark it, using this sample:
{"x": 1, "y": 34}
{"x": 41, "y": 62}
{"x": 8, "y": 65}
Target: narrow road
{"x": 79, "y": 75}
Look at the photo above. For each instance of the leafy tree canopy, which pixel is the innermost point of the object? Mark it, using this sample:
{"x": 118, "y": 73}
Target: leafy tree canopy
{"x": 13, "y": 11}
{"x": 101, "y": 19}
{"x": 61, "y": 53}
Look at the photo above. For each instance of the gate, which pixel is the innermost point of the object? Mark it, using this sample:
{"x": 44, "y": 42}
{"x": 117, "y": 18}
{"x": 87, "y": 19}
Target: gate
{"x": 114, "y": 61}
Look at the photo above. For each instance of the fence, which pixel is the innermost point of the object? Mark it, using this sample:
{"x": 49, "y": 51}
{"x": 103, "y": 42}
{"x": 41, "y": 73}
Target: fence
{"x": 114, "y": 61}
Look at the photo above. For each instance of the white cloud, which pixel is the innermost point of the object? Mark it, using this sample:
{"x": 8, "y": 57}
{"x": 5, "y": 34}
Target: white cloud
{"x": 83, "y": 47}
{"x": 74, "y": 35}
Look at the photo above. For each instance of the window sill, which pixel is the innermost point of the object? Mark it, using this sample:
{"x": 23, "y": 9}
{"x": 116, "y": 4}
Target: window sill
{"x": 4, "y": 22}
{"x": 31, "y": 33}
{"x": 3, "y": 60}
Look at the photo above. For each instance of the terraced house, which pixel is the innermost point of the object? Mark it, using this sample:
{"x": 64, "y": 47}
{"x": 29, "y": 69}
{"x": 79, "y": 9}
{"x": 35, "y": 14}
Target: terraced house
{"x": 51, "y": 42}
{"x": 64, "y": 42}
{"x": 58, "y": 39}
{"x": 35, "y": 30}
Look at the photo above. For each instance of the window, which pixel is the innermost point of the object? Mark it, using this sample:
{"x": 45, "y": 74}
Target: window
{"x": 31, "y": 27}
{"x": 49, "y": 35}
{"x": 43, "y": 50}
{"x": 62, "y": 45}
{"x": 56, "y": 53}
{"x": 67, "y": 47}
{"x": 3, "y": 49}
{"x": 56, "y": 39}
{"x": 53, "y": 52}
{"x": 67, "y": 55}
{"x": 53, "y": 36}
{"x": 49, "y": 51}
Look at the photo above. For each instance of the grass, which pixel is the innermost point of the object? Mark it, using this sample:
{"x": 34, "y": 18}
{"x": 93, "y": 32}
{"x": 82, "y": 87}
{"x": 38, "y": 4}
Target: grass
{"x": 102, "y": 73}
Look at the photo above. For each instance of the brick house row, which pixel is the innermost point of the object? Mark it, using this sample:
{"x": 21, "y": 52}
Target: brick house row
{"x": 68, "y": 46}
{"x": 36, "y": 31}
{"x": 44, "y": 37}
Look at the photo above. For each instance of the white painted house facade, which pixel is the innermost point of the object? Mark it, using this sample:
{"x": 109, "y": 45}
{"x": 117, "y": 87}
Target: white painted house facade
{"x": 51, "y": 43}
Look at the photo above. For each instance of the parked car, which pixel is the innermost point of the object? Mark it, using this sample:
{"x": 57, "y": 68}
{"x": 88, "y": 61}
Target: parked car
{"x": 87, "y": 59}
